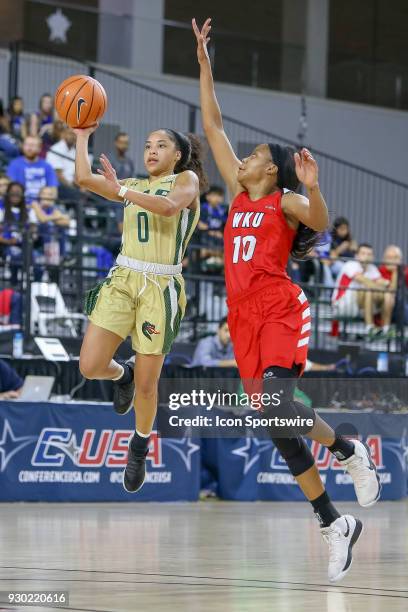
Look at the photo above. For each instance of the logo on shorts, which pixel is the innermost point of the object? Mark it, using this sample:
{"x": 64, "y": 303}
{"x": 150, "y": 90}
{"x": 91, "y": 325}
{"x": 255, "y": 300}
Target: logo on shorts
{"x": 148, "y": 329}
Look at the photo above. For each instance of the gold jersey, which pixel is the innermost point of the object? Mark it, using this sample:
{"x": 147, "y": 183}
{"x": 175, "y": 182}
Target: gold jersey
{"x": 151, "y": 237}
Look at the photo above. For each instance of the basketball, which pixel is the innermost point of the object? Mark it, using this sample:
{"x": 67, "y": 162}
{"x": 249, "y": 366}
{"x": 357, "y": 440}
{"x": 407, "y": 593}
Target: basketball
{"x": 80, "y": 101}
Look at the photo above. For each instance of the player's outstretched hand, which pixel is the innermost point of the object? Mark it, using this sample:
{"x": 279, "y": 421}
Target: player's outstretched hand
{"x": 86, "y": 131}
{"x": 307, "y": 169}
{"x": 109, "y": 172}
{"x": 202, "y": 39}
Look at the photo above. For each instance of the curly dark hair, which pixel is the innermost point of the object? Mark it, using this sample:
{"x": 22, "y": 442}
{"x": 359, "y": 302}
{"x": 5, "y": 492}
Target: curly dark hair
{"x": 8, "y": 213}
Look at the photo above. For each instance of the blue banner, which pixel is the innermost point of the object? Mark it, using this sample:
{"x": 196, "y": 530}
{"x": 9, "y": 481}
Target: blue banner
{"x": 77, "y": 452}
{"x": 249, "y": 469}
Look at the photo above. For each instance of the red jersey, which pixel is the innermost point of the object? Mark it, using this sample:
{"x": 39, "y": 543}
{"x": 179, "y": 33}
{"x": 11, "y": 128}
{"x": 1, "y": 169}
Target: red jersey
{"x": 257, "y": 243}
{"x": 387, "y": 274}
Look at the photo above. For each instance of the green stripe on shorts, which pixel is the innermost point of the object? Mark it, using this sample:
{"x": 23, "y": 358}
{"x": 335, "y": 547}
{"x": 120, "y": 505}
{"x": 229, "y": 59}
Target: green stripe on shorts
{"x": 169, "y": 333}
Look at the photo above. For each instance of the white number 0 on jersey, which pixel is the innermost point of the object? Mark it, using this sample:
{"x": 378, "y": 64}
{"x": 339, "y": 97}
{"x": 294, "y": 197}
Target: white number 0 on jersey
{"x": 248, "y": 247}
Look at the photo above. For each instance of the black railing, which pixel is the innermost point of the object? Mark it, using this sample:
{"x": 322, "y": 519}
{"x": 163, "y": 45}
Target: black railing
{"x": 89, "y": 251}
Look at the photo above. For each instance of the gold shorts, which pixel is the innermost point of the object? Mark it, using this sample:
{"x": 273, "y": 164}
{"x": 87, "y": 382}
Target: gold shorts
{"x": 147, "y": 307}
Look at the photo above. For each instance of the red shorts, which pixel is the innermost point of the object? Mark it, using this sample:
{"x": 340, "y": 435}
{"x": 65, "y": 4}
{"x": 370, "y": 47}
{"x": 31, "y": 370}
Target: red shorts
{"x": 270, "y": 327}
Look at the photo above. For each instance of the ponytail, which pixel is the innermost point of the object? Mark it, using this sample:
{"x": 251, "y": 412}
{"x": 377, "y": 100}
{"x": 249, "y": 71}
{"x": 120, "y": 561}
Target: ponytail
{"x": 191, "y": 155}
{"x": 306, "y": 238}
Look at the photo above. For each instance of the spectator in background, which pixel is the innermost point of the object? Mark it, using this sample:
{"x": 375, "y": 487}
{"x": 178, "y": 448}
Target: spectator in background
{"x": 61, "y": 156}
{"x": 124, "y": 167}
{"x": 17, "y": 119}
{"x": 216, "y": 350}
{"x": 14, "y": 210}
{"x": 213, "y": 216}
{"x": 52, "y": 136}
{"x": 351, "y": 298}
{"x": 14, "y": 220}
{"x": 122, "y": 163}
{"x": 46, "y": 210}
{"x": 4, "y": 183}
{"x": 342, "y": 244}
{"x": 10, "y": 382}
{"x": 8, "y": 144}
{"x": 31, "y": 171}
{"x": 51, "y": 231}
{"x": 392, "y": 259}
{"x": 4, "y": 123}
{"x": 42, "y": 120}
{"x": 213, "y": 211}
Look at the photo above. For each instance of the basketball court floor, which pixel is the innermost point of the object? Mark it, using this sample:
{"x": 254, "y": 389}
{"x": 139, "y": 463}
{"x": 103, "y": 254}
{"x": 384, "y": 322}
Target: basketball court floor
{"x": 207, "y": 556}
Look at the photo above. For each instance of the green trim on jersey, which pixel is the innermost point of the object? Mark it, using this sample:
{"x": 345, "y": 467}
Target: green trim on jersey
{"x": 189, "y": 231}
{"x": 151, "y": 237}
{"x": 178, "y": 240}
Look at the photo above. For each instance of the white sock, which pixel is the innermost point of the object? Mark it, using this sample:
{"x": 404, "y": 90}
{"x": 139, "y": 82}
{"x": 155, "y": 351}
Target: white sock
{"x": 369, "y": 327}
{"x": 122, "y": 371}
{"x": 142, "y": 435}
{"x": 386, "y": 329}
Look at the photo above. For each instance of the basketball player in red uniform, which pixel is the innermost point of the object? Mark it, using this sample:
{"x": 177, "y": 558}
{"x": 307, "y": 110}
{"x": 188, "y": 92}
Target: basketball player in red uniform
{"x": 269, "y": 317}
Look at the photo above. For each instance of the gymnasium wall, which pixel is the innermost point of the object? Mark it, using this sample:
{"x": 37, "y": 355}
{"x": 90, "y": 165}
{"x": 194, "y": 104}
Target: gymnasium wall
{"x": 370, "y": 137}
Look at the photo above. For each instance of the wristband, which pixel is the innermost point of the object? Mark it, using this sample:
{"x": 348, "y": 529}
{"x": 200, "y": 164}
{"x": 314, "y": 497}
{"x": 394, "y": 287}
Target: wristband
{"x": 122, "y": 191}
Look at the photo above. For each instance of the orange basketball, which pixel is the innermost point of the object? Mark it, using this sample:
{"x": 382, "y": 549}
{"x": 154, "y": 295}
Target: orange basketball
{"x": 80, "y": 101}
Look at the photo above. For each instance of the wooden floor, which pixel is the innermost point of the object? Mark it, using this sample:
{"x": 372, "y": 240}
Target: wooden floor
{"x": 208, "y": 556}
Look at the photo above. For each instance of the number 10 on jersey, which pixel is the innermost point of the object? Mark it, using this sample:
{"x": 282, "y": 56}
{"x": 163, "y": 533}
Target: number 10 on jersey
{"x": 244, "y": 247}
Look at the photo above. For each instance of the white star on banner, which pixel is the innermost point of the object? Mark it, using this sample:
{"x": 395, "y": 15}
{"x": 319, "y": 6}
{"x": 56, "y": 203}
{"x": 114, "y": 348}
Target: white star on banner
{"x": 58, "y": 25}
{"x": 251, "y": 451}
{"x": 11, "y": 444}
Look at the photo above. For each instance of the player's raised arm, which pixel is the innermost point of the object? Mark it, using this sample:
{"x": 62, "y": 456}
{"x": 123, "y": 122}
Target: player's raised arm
{"x": 225, "y": 158}
{"x": 83, "y": 173}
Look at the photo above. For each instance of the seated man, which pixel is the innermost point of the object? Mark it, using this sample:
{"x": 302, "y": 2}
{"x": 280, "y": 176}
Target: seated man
{"x": 10, "y": 382}
{"x": 216, "y": 350}
{"x": 392, "y": 259}
{"x": 31, "y": 171}
{"x": 119, "y": 158}
{"x": 354, "y": 295}
{"x": 61, "y": 156}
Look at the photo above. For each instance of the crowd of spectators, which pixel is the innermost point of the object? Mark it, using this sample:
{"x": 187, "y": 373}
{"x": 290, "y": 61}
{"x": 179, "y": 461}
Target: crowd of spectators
{"x": 38, "y": 194}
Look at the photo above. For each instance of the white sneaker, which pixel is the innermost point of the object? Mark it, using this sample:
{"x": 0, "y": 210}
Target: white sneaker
{"x": 363, "y": 474}
{"x": 341, "y": 536}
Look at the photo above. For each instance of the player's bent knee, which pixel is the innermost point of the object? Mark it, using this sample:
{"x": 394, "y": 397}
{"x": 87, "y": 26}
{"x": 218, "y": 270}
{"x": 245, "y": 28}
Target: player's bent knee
{"x": 89, "y": 369}
{"x": 296, "y": 453}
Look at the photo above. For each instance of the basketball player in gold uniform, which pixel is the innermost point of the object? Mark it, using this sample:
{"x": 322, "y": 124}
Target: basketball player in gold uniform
{"x": 143, "y": 295}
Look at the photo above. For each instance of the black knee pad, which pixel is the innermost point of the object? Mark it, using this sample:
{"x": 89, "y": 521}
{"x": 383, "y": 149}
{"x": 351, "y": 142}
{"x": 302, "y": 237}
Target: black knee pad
{"x": 296, "y": 453}
{"x": 282, "y": 380}
{"x": 280, "y": 384}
